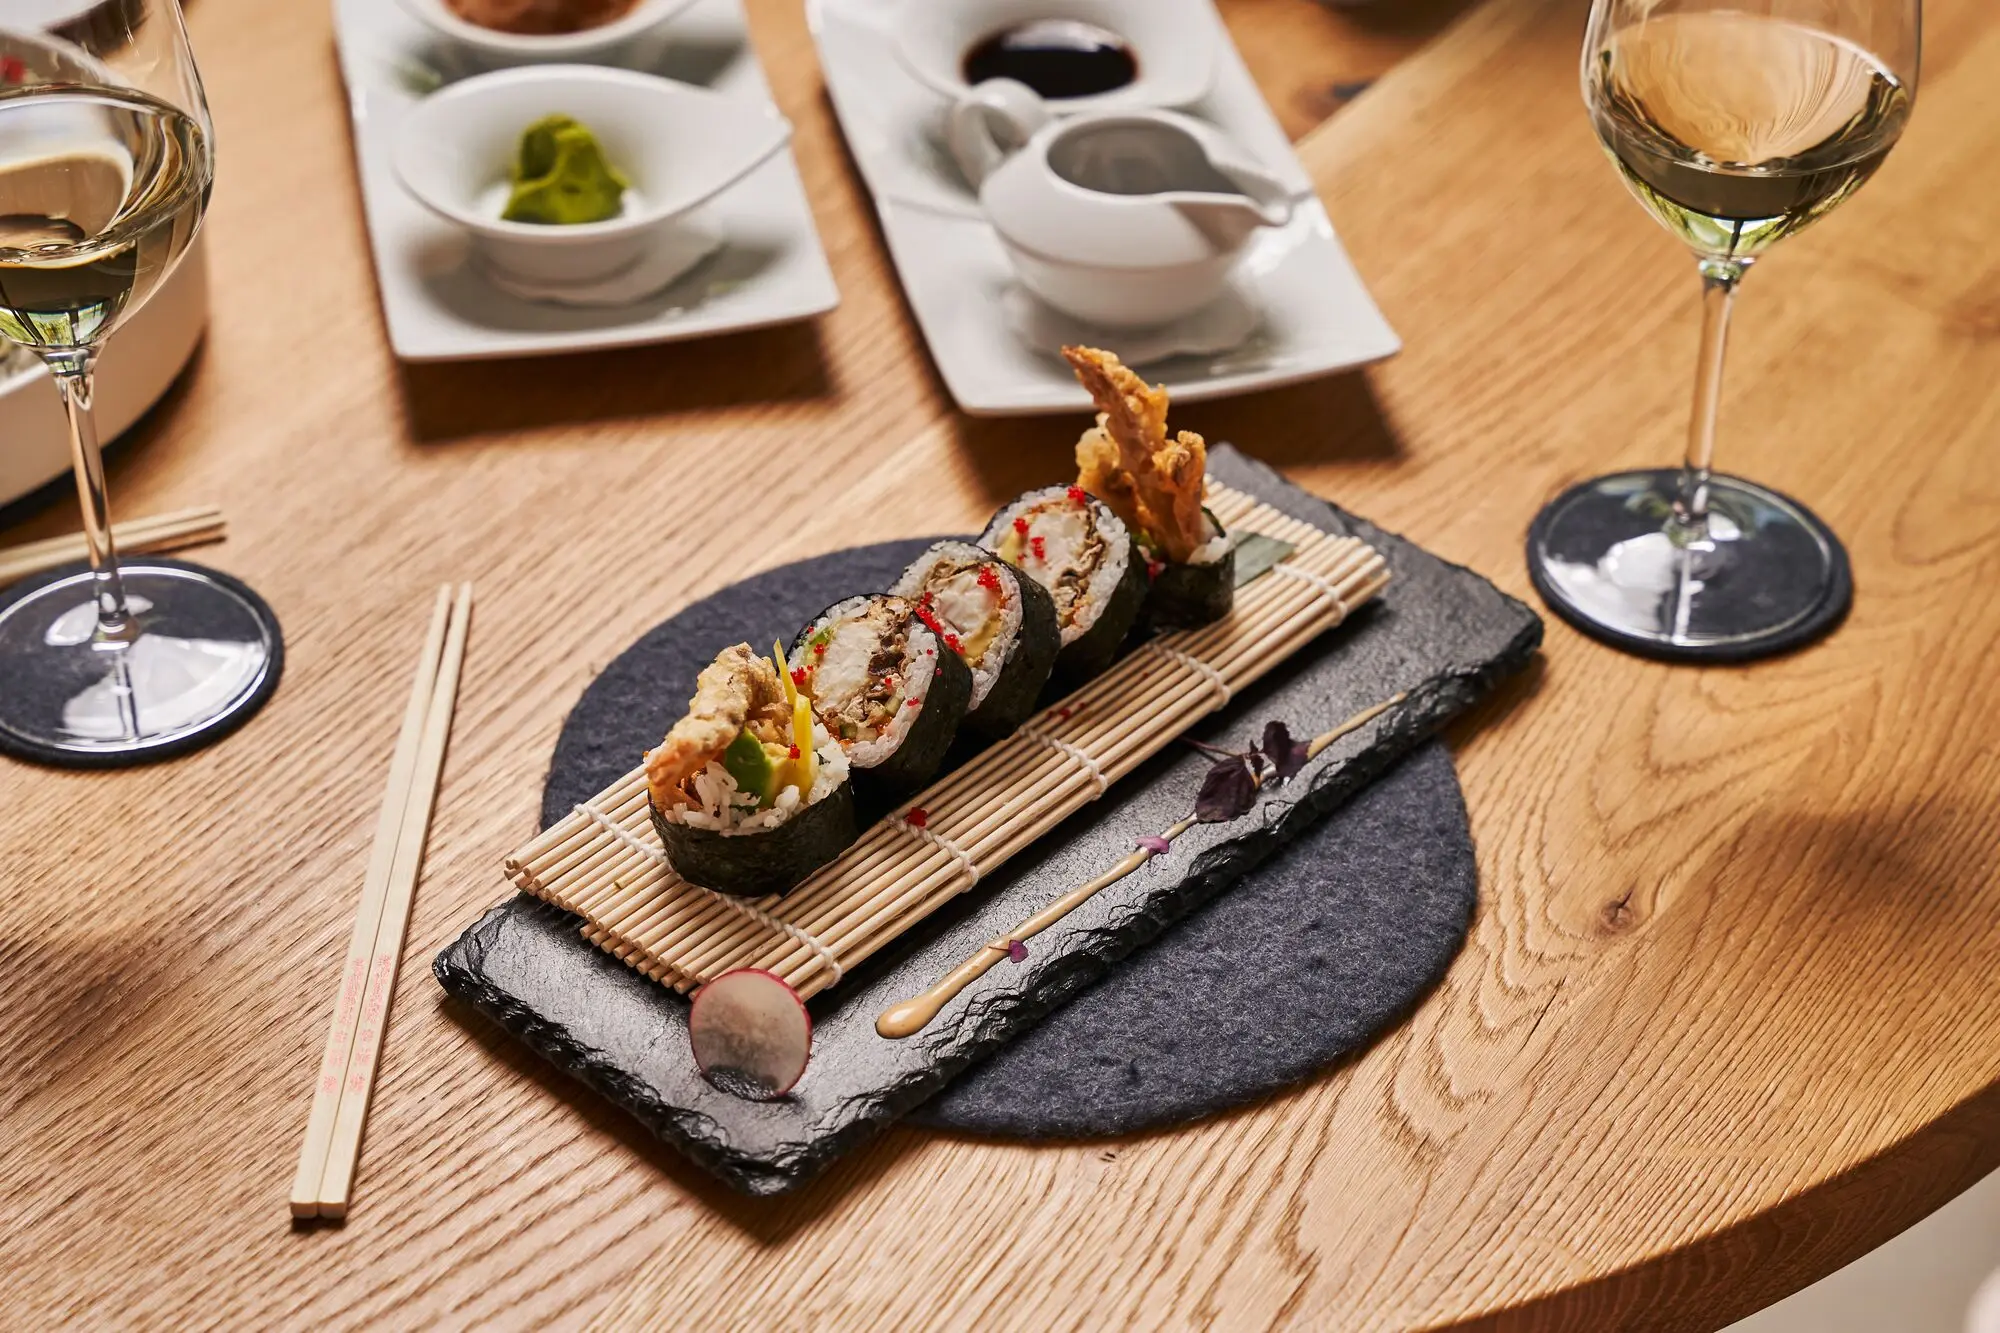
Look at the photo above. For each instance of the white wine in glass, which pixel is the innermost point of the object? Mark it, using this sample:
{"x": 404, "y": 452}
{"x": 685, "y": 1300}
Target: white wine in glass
{"x": 105, "y": 170}
{"x": 1736, "y": 125}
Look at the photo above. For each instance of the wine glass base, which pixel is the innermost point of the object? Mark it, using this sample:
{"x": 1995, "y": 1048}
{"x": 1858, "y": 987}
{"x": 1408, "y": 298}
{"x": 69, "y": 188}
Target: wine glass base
{"x": 207, "y": 654}
{"x": 1770, "y": 577}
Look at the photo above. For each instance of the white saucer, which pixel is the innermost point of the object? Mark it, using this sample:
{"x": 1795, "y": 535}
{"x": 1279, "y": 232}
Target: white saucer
{"x": 440, "y": 306}
{"x": 1218, "y": 327}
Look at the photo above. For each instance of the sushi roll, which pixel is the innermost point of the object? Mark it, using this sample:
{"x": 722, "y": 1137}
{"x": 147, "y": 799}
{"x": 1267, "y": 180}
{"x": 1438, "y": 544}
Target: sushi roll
{"x": 1072, "y": 544}
{"x": 749, "y": 792}
{"x": 1155, "y": 485}
{"x": 886, "y": 688}
{"x": 1000, "y": 621}
{"x": 1195, "y": 591}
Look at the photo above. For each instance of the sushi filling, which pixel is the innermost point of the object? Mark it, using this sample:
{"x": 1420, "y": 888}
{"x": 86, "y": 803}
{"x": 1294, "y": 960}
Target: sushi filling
{"x": 968, "y": 603}
{"x": 735, "y": 763}
{"x": 1076, "y": 549}
{"x": 868, "y": 667}
{"x": 716, "y": 801}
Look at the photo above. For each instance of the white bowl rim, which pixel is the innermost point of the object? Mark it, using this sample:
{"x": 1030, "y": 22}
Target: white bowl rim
{"x": 644, "y": 14}
{"x": 578, "y": 232}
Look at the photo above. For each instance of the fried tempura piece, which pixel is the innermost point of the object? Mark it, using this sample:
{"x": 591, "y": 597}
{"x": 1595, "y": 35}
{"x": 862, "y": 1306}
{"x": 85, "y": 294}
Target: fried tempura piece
{"x": 737, "y": 690}
{"x": 1098, "y": 471}
{"x": 1165, "y": 474}
{"x": 1182, "y": 465}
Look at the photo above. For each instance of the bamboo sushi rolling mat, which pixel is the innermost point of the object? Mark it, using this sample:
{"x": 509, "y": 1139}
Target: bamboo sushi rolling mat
{"x": 604, "y": 862}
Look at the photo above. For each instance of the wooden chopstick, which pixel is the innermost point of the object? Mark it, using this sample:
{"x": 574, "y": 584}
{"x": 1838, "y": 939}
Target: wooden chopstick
{"x": 159, "y": 532}
{"x": 367, "y": 919}
{"x": 337, "y": 1183}
{"x": 341, "y": 1093}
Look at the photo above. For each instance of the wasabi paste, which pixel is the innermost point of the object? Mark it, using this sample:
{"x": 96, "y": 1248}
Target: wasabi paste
{"x": 561, "y": 177}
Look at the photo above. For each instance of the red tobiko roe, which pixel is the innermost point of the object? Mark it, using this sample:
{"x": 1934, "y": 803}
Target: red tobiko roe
{"x": 795, "y": 752}
{"x": 1077, "y": 495}
{"x": 1039, "y": 546}
{"x": 751, "y": 1034}
{"x": 1021, "y": 526}
{"x": 988, "y": 579}
{"x": 951, "y": 642}
{"x": 916, "y": 816}
{"x": 799, "y": 677}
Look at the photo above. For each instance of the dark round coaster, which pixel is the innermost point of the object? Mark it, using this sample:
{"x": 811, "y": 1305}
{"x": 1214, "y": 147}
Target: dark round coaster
{"x": 184, "y": 626}
{"x": 1302, "y": 961}
{"x": 1790, "y": 559}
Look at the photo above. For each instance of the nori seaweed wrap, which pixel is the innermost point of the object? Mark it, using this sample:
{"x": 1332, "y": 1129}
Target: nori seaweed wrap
{"x": 1080, "y": 551}
{"x": 748, "y": 792}
{"x": 886, "y": 688}
{"x": 1000, "y": 621}
{"x": 778, "y": 860}
{"x": 1199, "y": 591}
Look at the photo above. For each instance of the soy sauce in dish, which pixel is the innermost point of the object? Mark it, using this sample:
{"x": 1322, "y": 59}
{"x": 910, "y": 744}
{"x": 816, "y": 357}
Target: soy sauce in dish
{"x": 1056, "y": 57}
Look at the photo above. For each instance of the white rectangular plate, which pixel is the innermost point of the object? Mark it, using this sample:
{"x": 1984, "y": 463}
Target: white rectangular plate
{"x": 771, "y": 269}
{"x": 1317, "y": 317}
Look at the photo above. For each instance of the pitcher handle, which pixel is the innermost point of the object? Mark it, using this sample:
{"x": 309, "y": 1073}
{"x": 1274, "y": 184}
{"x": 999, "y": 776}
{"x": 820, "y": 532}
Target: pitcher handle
{"x": 990, "y": 124}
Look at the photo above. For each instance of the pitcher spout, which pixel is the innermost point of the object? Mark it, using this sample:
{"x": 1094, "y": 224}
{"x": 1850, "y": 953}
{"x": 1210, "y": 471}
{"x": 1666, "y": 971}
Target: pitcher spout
{"x": 1228, "y": 220}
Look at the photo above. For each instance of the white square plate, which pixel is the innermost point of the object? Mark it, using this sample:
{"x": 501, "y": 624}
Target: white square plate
{"x": 771, "y": 269}
{"x": 1317, "y": 317}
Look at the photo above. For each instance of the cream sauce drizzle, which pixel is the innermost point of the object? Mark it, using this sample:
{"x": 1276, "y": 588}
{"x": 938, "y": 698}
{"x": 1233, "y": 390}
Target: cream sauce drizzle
{"x": 914, "y": 1015}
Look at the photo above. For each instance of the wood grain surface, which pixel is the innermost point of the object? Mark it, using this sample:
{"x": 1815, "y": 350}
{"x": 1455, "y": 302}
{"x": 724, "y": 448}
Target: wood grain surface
{"x": 1727, "y": 1015}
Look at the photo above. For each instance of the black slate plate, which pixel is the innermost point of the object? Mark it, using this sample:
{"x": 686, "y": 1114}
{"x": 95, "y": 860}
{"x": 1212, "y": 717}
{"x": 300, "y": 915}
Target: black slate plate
{"x": 1440, "y": 633}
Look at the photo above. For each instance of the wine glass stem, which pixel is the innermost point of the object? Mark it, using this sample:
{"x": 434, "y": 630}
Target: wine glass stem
{"x": 1719, "y": 279}
{"x": 74, "y": 373}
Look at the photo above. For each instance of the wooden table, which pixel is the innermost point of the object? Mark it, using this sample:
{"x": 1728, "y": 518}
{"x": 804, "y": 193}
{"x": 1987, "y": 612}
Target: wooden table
{"x": 1727, "y": 1014}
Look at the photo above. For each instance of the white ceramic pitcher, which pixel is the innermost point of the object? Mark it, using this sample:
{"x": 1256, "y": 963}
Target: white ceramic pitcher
{"x": 1122, "y": 219}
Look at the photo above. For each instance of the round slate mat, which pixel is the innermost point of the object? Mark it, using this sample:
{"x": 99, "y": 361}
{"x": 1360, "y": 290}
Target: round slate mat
{"x": 1375, "y": 902}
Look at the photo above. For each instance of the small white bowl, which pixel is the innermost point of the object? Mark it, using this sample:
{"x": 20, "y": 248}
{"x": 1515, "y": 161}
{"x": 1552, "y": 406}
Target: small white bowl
{"x": 1172, "y": 40}
{"x": 678, "y": 145}
{"x": 589, "y": 46}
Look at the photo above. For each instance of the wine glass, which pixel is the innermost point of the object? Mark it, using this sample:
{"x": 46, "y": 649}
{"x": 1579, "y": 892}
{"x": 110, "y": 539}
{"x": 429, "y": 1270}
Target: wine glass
{"x": 105, "y": 166}
{"x": 1736, "y": 123}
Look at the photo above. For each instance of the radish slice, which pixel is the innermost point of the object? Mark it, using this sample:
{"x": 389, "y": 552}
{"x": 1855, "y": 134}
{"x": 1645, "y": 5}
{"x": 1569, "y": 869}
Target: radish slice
{"x": 751, "y": 1034}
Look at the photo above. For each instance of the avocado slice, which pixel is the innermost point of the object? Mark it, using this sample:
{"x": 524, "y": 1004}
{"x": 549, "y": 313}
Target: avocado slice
{"x": 753, "y": 767}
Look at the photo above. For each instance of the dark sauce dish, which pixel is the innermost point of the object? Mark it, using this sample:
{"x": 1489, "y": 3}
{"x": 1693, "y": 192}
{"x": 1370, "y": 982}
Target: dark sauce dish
{"x": 1059, "y": 58}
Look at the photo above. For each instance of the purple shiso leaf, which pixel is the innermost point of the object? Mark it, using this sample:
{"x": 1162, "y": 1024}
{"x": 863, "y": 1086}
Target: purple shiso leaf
{"x": 1155, "y": 844}
{"x": 1286, "y": 755}
{"x": 1229, "y": 790}
{"x": 1017, "y": 951}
